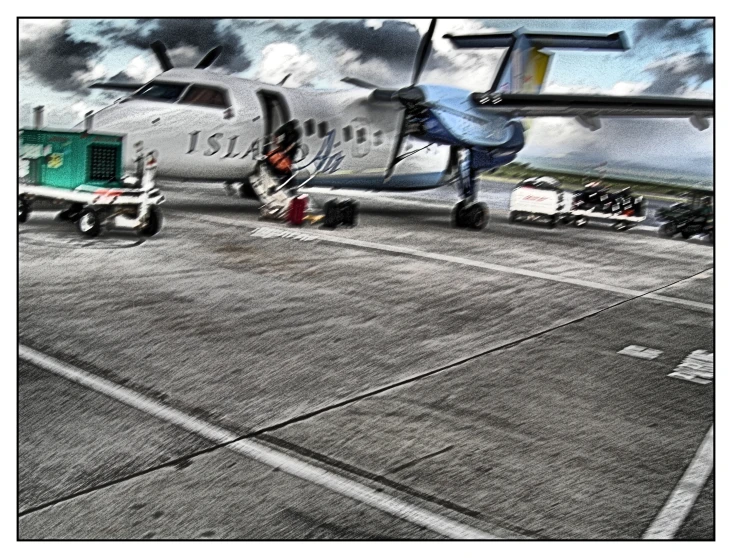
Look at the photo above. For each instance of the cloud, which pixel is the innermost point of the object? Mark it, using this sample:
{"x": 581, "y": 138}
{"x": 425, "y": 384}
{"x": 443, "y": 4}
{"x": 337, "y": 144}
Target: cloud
{"x": 680, "y": 74}
{"x": 188, "y": 40}
{"x": 280, "y": 59}
{"x": 48, "y": 53}
{"x": 670, "y": 29}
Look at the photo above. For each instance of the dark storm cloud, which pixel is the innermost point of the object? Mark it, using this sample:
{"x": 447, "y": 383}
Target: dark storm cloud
{"x": 395, "y": 42}
{"x": 670, "y": 29}
{"x": 679, "y": 74}
{"x": 58, "y": 60}
{"x": 200, "y": 35}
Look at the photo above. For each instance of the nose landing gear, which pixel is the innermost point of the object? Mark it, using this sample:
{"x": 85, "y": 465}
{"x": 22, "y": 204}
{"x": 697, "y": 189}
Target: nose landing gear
{"x": 468, "y": 212}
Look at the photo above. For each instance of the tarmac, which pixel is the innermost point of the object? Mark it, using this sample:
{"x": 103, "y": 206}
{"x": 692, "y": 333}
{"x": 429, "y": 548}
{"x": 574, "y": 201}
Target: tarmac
{"x": 402, "y": 379}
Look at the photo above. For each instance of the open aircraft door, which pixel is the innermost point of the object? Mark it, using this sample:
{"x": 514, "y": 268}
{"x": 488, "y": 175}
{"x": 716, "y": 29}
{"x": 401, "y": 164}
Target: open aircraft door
{"x": 275, "y": 112}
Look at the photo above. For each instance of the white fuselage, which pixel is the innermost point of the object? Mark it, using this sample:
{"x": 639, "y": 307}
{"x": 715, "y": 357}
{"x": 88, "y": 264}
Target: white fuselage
{"x": 345, "y": 136}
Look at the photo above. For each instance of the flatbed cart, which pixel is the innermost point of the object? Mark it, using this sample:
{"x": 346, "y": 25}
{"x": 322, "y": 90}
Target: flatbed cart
{"x": 621, "y": 209}
{"x": 82, "y": 171}
{"x": 282, "y": 203}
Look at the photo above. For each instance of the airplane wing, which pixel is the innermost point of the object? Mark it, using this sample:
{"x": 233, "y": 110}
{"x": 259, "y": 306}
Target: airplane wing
{"x": 543, "y": 104}
{"x": 117, "y": 86}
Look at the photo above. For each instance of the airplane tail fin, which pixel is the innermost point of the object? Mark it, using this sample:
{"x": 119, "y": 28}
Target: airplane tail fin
{"x": 524, "y": 67}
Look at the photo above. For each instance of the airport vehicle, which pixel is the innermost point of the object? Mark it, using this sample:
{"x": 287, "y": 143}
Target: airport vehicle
{"x": 207, "y": 126}
{"x": 82, "y": 171}
{"x": 539, "y": 198}
{"x": 622, "y": 209}
{"x": 693, "y": 216}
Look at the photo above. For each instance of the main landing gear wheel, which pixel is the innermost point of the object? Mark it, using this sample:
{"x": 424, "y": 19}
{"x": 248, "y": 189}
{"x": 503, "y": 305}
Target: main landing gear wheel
{"x": 154, "y": 222}
{"x": 23, "y": 210}
{"x": 474, "y": 216}
{"x": 89, "y": 223}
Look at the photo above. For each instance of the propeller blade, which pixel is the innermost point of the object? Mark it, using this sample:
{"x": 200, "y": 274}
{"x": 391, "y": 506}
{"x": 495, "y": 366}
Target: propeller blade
{"x": 423, "y": 52}
{"x": 162, "y": 54}
{"x": 359, "y": 83}
{"x": 117, "y": 86}
{"x": 397, "y": 145}
{"x": 210, "y": 57}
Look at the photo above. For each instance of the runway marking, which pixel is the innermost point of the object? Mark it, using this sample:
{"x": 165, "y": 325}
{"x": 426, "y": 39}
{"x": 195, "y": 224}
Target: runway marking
{"x": 697, "y": 367}
{"x": 257, "y": 451}
{"x": 267, "y": 232}
{"x": 638, "y": 351}
{"x": 474, "y": 263}
{"x": 682, "y": 498}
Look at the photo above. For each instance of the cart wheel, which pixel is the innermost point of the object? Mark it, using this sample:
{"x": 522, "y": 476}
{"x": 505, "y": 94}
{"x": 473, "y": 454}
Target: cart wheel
{"x": 512, "y": 216}
{"x": 667, "y": 230}
{"x": 71, "y": 213}
{"x": 154, "y": 222}
{"x": 331, "y": 214}
{"x": 476, "y": 216}
{"x": 618, "y": 226}
{"x": 89, "y": 223}
{"x": 552, "y": 223}
{"x": 686, "y": 234}
{"x": 710, "y": 236}
{"x": 23, "y": 210}
{"x": 580, "y": 221}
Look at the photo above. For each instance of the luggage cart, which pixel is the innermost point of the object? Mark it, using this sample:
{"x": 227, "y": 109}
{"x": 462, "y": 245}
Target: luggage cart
{"x": 83, "y": 171}
{"x": 621, "y": 209}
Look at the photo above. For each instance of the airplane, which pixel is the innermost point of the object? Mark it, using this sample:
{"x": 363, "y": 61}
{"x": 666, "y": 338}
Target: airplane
{"x": 208, "y": 126}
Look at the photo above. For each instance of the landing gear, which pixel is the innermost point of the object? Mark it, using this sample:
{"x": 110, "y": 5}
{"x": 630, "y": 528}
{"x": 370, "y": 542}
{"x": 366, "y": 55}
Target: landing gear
{"x": 470, "y": 216}
{"x": 468, "y": 212}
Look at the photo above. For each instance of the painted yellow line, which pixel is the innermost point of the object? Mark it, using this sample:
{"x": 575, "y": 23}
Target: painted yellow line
{"x": 259, "y": 452}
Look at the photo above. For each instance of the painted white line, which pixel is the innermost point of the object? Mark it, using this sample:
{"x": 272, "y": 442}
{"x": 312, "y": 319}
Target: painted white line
{"x": 697, "y": 367}
{"x": 639, "y": 351}
{"x": 468, "y": 262}
{"x": 259, "y": 452}
{"x": 679, "y": 503}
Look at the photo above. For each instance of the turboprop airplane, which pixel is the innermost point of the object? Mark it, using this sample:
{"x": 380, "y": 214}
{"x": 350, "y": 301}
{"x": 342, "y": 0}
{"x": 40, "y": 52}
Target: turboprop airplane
{"x": 207, "y": 126}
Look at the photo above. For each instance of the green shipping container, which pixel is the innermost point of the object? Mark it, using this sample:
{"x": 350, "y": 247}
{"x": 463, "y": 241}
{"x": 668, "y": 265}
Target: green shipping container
{"x": 64, "y": 159}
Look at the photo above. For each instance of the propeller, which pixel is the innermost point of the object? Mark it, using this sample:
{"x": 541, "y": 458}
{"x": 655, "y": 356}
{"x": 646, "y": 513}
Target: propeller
{"x": 161, "y": 52}
{"x": 210, "y": 57}
{"x": 410, "y": 96}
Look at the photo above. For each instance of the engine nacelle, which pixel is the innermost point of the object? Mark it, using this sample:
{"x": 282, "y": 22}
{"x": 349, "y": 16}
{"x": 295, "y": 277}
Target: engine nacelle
{"x": 592, "y": 123}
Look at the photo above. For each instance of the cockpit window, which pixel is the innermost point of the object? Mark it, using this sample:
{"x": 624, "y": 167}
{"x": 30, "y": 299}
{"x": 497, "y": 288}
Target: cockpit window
{"x": 159, "y": 91}
{"x": 205, "y": 96}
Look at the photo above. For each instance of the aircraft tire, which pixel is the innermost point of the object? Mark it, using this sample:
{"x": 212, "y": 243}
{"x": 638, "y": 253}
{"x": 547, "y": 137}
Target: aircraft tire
{"x": 476, "y": 216}
{"x": 23, "y": 210}
{"x": 154, "y": 222}
{"x": 458, "y": 215}
{"x": 89, "y": 223}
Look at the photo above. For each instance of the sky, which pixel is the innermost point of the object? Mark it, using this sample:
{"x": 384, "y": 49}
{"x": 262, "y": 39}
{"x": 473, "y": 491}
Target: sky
{"x": 59, "y": 59}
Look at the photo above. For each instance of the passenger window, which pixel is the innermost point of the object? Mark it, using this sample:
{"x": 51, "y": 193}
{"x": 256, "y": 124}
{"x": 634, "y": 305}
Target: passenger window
{"x": 378, "y": 138}
{"x": 361, "y": 135}
{"x": 205, "y": 96}
{"x": 322, "y": 129}
{"x": 309, "y": 127}
{"x": 347, "y": 134}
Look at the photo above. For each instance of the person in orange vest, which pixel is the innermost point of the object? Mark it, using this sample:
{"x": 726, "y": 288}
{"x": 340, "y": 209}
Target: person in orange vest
{"x": 280, "y": 157}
